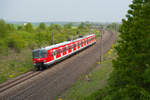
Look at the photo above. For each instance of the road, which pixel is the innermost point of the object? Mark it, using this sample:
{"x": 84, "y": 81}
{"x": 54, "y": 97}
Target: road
{"x": 55, "y": 80}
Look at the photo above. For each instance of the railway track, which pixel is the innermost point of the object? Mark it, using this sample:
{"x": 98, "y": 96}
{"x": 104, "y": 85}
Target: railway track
{"x": 48, "y": 82}
{"x": 18, "y": 80}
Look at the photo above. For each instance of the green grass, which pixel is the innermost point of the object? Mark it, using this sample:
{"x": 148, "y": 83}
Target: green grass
{"x": 15, "y": 64}
{"x": 95, "y": 80}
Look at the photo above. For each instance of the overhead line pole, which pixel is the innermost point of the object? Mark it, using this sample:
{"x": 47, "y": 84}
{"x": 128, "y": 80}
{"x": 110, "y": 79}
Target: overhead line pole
{"x": 101, "y": 47}
{"x": 52, "y": 37}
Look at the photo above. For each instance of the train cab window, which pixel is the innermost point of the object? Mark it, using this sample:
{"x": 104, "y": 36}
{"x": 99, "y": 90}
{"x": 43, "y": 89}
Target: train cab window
{"x": 36, "y": 54}
{"x": 39, "y": 53}
{"x": 43, "y": 53}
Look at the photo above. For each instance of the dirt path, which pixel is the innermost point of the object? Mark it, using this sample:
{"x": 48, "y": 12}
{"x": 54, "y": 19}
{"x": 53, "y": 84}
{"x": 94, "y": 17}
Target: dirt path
{"x": 55, "y": 80}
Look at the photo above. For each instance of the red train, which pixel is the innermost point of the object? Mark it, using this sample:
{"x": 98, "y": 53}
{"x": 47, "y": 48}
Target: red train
{"x": 46, "y": 56}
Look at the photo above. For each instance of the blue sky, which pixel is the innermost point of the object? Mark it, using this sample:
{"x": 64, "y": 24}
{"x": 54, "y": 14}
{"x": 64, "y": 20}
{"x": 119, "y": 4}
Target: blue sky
{"x": 64, "y": 10}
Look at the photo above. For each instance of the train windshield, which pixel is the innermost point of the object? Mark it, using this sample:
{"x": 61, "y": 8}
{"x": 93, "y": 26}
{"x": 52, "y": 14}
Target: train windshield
{"x": 39, "y": 54}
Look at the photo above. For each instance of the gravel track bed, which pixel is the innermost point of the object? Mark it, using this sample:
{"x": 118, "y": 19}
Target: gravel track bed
{"x": 55, "y": 80}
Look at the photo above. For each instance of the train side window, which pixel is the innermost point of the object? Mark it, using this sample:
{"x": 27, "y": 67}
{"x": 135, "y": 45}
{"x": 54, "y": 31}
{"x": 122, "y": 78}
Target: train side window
{"x": 58, "y": 51}
{"x": 52, "y": 54}
{"x": 69, "y": 47}
{"x": 55, "y": 53}
{"x": 64, "y": 49}
{"x": 74, "y": 45}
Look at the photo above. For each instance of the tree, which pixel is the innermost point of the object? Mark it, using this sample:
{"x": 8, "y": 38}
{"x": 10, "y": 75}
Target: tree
{"x": 130, "y": 78}
{"x": 68, "y": 26}
{"x": 3, "y": 29}
{"x": 10, "y": 28}
{"x": 81, "y": 26}
{"x": 20, "y": 27}
{"x": 42, "y": 26}
{"x": 16, "y": 42}
{"x": 29, "y": 27}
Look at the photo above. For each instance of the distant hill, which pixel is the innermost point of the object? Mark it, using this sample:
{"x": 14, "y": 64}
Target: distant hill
{"x": 47, "y": 23}
{"x": 56, "y": 22}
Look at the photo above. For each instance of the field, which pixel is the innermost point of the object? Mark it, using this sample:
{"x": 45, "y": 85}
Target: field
{"x": 92, "y": 81}
{"x": 17, "y": 42}
{"x": 15, "y": 64}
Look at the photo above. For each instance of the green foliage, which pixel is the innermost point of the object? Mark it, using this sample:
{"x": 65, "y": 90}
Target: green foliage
{"x": 11, "y": 28}
{"x": 20, "y": 27}
{"x": 16, "y": 42}
{"x": 2, "y": 78}
{"x": 130, "y": 77}
{"x": 3, "y": 45}
{"x": 28, "y": 27}
{"x": 42, "y": 26}
{"x": 16, "y": 39}
{"x": 113, "y": 26}
{"x": 69, "y": 26}
{"x": 3, "y": 29}
{"x": 25, "y": 36}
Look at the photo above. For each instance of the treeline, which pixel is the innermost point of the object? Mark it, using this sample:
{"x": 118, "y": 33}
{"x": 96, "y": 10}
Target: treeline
{"x": 130, "y": 79}
{"x": 28, "y": 36}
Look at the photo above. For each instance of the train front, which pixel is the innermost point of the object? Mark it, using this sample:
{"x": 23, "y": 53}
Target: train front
{"x": 39, "y": 57}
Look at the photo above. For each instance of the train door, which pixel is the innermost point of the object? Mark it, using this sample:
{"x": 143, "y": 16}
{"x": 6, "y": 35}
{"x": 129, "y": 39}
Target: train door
{"x": 58, "y": 53}
{"x": 51, "y": 55}
{"x": 74, "y": 46}
{"x": 79, "y": 45}
{"x": 64, "y": 50}
{"x": 82, "y": 43}
{"x": 61, "y": 52}
{"x": 69, "y": 48}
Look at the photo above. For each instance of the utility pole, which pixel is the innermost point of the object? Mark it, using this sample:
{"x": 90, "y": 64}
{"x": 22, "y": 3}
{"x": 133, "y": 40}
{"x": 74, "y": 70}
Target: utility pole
{"x": 101, "y": 45}
{"x": 52, "y": 37}
{"x": 116, "y": 28}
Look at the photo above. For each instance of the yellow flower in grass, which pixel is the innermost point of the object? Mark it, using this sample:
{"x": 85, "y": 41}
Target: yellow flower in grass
{"x": 86, "y": 76}
{"x": 98, "y": 62}
{"x": 59, "y": 98}
{"x": 110, "y": 51}
{"x": 113, "y": 46}
{"x": 21, "y": 72}
{"x": 97, "y": 31}
{"x": 11, "y": 76}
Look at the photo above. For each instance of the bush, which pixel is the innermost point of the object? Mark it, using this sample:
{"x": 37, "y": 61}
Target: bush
{"x": 14, "y": 41}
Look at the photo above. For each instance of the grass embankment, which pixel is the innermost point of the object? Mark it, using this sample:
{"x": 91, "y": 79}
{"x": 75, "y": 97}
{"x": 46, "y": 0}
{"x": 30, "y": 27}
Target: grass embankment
{"x": 15, "y": 64}
{"x": 17, "y": 41}
{"x": 93, "y": 81}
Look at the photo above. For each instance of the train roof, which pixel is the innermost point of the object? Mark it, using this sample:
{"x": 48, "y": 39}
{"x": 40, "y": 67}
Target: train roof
{"x": 63, "y": 43}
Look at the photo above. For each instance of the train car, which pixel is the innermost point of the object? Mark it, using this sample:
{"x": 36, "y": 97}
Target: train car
{"x": 46, "y": 56}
